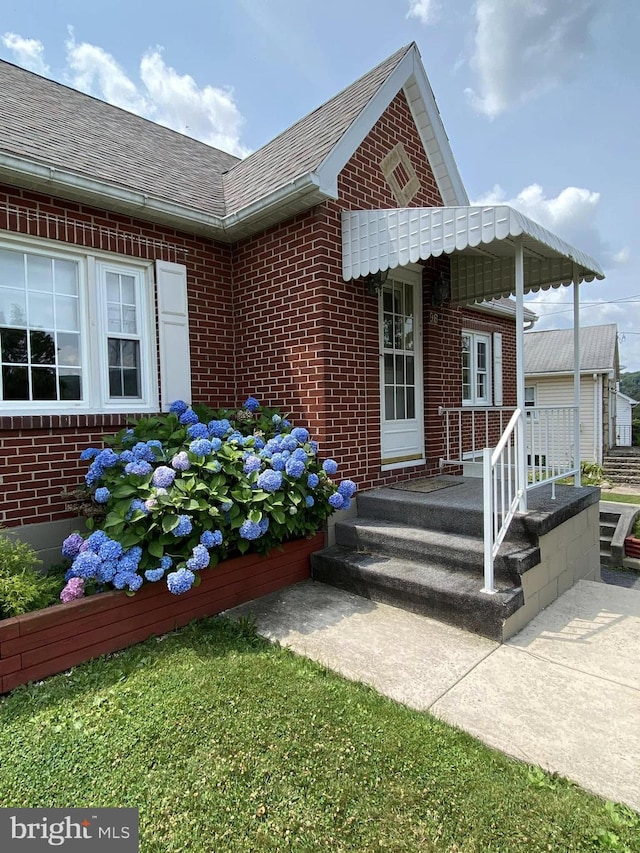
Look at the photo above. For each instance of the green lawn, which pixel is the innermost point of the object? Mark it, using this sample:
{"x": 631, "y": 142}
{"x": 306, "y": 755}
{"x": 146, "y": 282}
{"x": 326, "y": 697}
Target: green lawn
{"x": 619, "y": 498}
{"x": 226, "y": 743}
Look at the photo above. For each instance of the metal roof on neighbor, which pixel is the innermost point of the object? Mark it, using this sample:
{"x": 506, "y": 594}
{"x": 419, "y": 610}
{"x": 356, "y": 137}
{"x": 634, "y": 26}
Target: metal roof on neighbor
{"x": 480, "y": 241}
{"x": 552, "y": 351}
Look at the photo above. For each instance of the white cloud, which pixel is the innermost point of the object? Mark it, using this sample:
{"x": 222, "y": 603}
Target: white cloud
{"x": 29, "y": 53}
{"x": 163, "y": 95}
{"x": 424, "y": 10}
{"x": 571, "y": 214}
{"x": 209, "y": 114}
{"x": 622, "y": 256}
{"x": 525, "y": 47}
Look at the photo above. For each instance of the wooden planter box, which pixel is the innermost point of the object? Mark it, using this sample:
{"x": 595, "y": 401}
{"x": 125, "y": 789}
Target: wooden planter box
{"x": 632, "y": 547}
{"x": 43, "y": 643}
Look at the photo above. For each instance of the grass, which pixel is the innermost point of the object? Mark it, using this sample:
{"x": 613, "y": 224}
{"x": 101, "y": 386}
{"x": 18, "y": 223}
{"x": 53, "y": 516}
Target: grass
{"x": 619, "y": 498}
{"x": 226, "y": 743}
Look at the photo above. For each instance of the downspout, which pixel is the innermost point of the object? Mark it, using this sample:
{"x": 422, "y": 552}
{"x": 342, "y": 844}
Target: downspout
{"x": 597, "y": 427}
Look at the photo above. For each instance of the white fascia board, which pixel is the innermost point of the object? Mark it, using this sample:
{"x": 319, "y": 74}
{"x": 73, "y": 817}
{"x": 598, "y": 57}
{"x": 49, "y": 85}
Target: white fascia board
{"x": 559, "y": 374}
{"x": 459, "y": 197}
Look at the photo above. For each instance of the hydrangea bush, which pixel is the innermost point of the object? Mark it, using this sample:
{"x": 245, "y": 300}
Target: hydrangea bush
{"x": 183, "y": 491}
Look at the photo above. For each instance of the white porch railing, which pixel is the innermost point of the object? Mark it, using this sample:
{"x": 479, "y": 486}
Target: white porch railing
{"x": 548, "y": 454}
{"x": 503, "y": 486}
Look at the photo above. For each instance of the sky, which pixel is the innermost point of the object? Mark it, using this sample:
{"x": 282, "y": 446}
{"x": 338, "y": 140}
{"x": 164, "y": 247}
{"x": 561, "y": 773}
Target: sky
{"x": 540, "y": 99}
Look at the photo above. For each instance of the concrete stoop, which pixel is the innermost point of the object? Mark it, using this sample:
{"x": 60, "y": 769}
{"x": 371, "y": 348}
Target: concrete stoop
{"x": 423, "y": 552}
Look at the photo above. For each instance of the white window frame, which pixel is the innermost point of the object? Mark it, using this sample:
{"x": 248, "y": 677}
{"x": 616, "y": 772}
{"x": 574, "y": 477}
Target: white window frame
{"x": 92, "y": 265}
{"x": 476, "y": 337}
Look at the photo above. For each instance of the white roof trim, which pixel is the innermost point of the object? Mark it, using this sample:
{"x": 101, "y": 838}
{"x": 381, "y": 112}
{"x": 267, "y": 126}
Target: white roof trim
{"x": 408, "y": 75}
{"x": 480, "y": 241}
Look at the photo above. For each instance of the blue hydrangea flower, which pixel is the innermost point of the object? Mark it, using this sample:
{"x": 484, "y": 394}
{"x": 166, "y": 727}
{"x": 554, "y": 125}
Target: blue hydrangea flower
{"x": 198, "y": 431}
{"x": 89, "y": 453}
{"x": 129, "y": 579}
{"x": 263, "y": 524}
{"x": 300, "y": 453}
{"x": 278, "y": 462}
{"x": 314, "y": 447}
{"x": 336, "y": 500}
{"x": 216, "y": 443}
{"x": 178, "y": 407}
{"x": 140, "y": 469}
{"x": 215, "y": 466}
{"x": 181, "y": 461}
{"x": 142, "y": 452}
{"x": 330, "y": 466}
{"x": 286, "y": 423}
{"x": 313, "y": 480}
{"x": 102, "y": 495}
{"x": 347, "y": 488}
{"x": 180, "y": 581}
{"x": 251, "y": 404}
{"x": 129, "y": 437}
{"x": 300, "y": 434}
{"x": 237, "y": 437}
{"x": 270, "y": 481}
{"x": 155, "y": 442}
{"x": 289, "y": 442}
{"x": 106, "y": 458}
{"x": 211, "y": 538}
{"x": 189, "y": 417}
{"x": 218, "y": 429}
{"x": 294, "y": 468}
{"x": 200, "y": 558}
{"x": 110, "y": 550}
{"x": 126, "y": 456}
{"x": 136, "y": 505}
{"x": 107, "y": 571}
{"x": 86, "y": 565}
{"x": 183, "y": 528}
{"x": 95, "y": 540}
{"x": 252, "y": 463}
{"x": 309, "y": 500}
{"x": 133, "y": 556}
{"x": 250, "y": 530}
{"x": 276, "y": 419}
{"x": 163, "y": 477}
{"x": 226, "y": 506}
{"x": 166, "y": 562}
{"x": 200, "y": 447}
{"x": 346, "y": 503}
{"x": 71, "y": 545}
{"x": 154, "y": 575}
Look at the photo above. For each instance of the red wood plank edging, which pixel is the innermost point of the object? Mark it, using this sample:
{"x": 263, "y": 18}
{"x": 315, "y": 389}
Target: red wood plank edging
{"x": 49, "y": 641}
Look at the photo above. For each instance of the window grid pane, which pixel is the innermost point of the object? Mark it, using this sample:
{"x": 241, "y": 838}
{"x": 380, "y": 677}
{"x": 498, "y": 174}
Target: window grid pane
{"x": 398, "y": 344}
{"x": 39, "y": 299}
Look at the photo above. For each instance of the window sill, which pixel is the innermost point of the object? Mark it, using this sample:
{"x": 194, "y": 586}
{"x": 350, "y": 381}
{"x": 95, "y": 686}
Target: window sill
{"x": 11, "y": 423}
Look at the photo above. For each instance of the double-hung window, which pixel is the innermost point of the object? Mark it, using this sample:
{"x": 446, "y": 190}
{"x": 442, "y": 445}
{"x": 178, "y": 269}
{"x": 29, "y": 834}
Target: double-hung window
{"x": 77, "y": 331}
{"x": 476, "y": 368}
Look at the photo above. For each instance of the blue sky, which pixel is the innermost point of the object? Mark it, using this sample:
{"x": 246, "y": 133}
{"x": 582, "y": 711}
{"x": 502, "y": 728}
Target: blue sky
{"x": 540, "y": 98}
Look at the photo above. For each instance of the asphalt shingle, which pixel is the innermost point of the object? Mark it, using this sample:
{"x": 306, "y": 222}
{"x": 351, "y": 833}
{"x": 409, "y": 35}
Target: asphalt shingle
{"x": 552, "y": 351}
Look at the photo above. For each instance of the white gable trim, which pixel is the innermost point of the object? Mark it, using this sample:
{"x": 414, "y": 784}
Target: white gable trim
{"x": 409, "y": 76}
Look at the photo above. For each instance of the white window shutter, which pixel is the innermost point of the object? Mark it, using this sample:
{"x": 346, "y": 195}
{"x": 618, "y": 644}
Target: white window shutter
{"x": 497, "y": 369}
{"x": 173, "y": 329}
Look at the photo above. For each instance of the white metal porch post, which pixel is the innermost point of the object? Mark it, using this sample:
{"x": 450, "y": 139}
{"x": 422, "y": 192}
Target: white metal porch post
{"x": 521, "y": 461}
{"x": 576, "y": 372}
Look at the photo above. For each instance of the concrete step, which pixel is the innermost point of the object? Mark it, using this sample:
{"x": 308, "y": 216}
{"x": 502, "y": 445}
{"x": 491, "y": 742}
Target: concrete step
{"x": 455, "y": 551}
{"x": 420, "y": 587}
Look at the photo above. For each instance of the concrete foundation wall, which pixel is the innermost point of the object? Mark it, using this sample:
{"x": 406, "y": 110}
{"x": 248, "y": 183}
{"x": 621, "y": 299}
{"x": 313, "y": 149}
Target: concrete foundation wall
{"x": 46, "y": 538}
{"x": 568, "y": 553}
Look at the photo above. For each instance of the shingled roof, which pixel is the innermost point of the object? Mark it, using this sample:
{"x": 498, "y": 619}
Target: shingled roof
{"x": 552, "y": 351}
{"x": 82, "y": 148}
{"x": 59, "y": 127}
{"x": 302, "y": 147}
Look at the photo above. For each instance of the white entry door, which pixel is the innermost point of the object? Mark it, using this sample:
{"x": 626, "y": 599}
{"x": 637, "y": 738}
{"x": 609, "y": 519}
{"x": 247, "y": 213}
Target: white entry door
{"x": 401, "y": 367}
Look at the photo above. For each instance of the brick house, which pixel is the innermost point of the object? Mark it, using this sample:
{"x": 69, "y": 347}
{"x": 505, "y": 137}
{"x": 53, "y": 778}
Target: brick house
{"x": 139, "y": 266}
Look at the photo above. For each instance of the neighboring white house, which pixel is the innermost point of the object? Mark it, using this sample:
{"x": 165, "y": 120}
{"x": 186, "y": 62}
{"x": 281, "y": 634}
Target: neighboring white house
{"x": 624, "y": 414}
{"x": 548, "y": 365}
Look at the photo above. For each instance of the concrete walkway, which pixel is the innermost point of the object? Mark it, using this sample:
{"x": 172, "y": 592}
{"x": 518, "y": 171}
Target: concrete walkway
{"x": 564, "y": 693}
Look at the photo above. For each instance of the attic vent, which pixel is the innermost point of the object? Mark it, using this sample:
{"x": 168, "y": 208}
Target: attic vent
{"x": 400, "y": 174}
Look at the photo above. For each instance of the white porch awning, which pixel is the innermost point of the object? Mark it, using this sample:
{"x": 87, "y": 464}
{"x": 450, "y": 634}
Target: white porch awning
{"x": 481, "y": 243}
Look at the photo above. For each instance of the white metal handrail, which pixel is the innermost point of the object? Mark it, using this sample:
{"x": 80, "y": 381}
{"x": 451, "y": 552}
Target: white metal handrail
{"x": 469, "y": 429}
{"x": 503, "y": 485}
{"x": 549, "y": 435}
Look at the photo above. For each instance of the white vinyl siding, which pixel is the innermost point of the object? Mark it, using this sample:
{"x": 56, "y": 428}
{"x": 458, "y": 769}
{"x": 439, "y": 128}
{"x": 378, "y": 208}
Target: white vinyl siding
{"x": 558, "y": 391}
